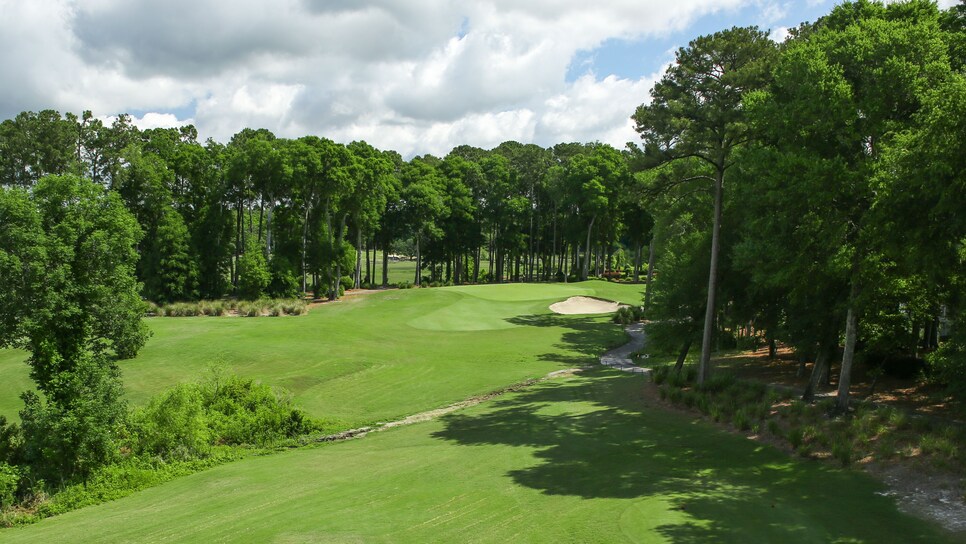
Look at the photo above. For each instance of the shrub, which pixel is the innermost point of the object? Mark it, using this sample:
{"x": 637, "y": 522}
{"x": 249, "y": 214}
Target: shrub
{"x": 626, "y": 315}
{"x": 796, "y": 437}
{"x": 284, "y": 278}
{"x": 404, "y": 285}
{"x": 294, "y": 307}
{"x": 842, "y": 451}
{"x": 947, "y": 366}
{"x": 173, "y": 425}
{"x": 717, "y": 383}
{"x": 940, "y": 444}
{"x": 660, "y": 374}
{"x": 253, "y": 273}
{"x": 184, "y": 423}
{"x": 741, "y": 420}
{"x": 241, "y": 411}
{"x": 9, "y": 482}
{"x": 249, "y": 309}
{"x": 773, "y": 427}
{"x": 152, "y": 309}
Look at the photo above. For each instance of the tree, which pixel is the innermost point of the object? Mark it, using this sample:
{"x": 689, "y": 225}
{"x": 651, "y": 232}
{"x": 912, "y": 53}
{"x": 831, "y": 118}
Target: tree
{"x": 827, "y": 108}
{"x": 696, "y": 112}
{"x": 253, "y": 273}
{"x": 70, "y": 298}
{"x": 596, "y": 179}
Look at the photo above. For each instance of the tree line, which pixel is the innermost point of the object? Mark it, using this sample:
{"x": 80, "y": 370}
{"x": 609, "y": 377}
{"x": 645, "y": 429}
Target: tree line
{"x": 269, "y": 215}
{"x": 816, "y": 188}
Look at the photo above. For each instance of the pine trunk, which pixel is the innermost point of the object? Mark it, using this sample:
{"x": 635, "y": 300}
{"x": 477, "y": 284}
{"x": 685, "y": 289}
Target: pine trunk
{"x": 704, "y": 368}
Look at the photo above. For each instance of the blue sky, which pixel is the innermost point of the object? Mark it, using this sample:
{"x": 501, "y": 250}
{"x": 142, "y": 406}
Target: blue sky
{"x": 634, "y": 58}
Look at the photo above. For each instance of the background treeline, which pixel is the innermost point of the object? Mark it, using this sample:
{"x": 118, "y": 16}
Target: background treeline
{"x": 266, "y": 215}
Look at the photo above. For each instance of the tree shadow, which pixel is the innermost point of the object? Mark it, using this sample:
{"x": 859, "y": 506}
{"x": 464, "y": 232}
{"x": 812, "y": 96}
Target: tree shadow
{"x": 595, "y": 436}
{"x": 584, "y": 340}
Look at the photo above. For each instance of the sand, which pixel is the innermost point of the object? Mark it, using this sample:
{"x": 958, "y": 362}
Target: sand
{"x": 585, "y": 305}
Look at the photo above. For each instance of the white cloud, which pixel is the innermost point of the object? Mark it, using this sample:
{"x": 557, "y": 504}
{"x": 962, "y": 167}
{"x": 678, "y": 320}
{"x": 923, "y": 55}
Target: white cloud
{"x": 779, "y": 34}
{"x": 411, "y": 76}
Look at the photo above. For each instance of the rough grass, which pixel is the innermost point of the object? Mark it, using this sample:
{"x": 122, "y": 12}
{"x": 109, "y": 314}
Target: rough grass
{"x": 579, "y": 459}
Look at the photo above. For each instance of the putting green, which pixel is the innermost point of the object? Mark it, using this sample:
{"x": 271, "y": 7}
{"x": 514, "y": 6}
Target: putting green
{"x": 579, "y": 459}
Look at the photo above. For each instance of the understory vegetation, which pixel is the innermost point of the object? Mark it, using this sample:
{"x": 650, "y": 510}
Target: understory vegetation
{"x": 814, "y": 430}
{"x": 188, "y": 428}
{"x": 242, "y": 308}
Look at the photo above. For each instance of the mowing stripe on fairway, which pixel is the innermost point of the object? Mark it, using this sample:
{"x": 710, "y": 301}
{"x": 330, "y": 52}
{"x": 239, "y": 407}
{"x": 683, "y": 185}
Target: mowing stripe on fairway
{"x": 578, "y": 459}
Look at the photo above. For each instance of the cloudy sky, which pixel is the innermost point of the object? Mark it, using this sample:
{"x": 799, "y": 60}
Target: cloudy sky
{"x": 417, "y": 76}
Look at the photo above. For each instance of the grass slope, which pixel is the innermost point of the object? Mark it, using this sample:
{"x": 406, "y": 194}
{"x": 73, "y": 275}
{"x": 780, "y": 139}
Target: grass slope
{"x": 580, "y": 459}
{"x": 376, "y": 357}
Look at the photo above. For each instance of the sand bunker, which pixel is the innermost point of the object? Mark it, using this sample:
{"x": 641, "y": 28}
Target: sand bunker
{"x": 585, "y": 305}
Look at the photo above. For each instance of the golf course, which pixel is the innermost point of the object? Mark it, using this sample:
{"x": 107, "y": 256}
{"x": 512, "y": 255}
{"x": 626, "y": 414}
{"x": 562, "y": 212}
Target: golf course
{"x": 582, "y": 456}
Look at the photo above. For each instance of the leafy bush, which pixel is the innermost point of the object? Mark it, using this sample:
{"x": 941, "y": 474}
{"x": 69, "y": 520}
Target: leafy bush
{"x": 947, "y": 367}
{"x": 69, "y": 434}
{"x": 253, "y": 273}
{"x": 404, "y": 285}
{"x": 9, "y": 482}
{"x": 284, "y": 282}
{"x": 173, "y": 425}
{"x": 242, "y": 411}
{"x": 185, "y": 422}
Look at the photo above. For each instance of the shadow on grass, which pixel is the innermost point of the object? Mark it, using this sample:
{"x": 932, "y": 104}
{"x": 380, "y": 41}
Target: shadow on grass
{"x": 585, "y": 338}
{"x": 595, "y": 437}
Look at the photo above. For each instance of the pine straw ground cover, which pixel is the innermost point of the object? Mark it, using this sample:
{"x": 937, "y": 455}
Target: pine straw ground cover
{"x": 869, "y": 433}
{"x": 922, "y": 458}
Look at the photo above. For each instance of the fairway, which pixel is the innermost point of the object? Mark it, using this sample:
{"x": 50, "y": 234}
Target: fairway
{"x": 574, "y": 459}
{"x": 375, "y": 357}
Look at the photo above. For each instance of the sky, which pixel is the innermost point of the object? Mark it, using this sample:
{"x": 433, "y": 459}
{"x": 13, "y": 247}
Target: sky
{"x": 415, "y": 76}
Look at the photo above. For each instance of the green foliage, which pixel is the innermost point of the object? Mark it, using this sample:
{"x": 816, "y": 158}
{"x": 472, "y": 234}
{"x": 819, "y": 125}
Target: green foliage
{"x": 186, "y": 421}
{"x": 9, "y": 483}
{"x": 241, "y": 411}
{"x": 170, "y": 270}
{"x": 284, "y": 282}
{"x": 625, "y": 315}
{"x": 74, "y": 245}
{"x": 253, "y": 274}
{"x": 947, "y": 367}
{"x": 173, "y": 426}
{"x": 75, "y": 430}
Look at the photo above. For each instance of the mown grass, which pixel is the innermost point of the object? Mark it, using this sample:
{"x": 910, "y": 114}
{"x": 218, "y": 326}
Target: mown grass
{"x": 578, "y": 459}
{"x": 372, "y": 358}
